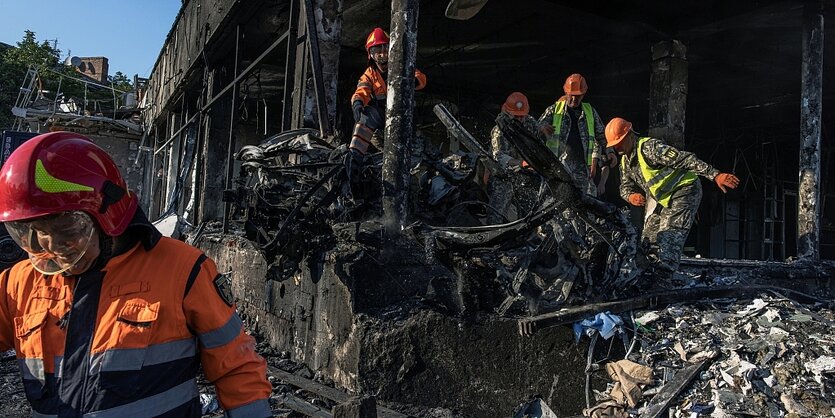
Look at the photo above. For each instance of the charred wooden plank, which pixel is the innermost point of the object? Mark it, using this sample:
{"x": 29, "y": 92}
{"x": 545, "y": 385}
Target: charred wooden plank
{"x": 303, "y": 407}
{"x": 659, "y": 404}
{"x": 328, "y": 392}
{"x": 528, "y": 326}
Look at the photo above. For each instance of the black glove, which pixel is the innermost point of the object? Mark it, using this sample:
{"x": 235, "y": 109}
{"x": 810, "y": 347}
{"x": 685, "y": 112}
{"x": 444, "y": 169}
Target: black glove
{"x": 353, "y": 164}
{"x": 357, "y": 107}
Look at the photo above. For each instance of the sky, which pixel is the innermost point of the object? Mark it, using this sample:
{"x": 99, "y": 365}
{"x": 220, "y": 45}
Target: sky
{"x": 129, "y": 33}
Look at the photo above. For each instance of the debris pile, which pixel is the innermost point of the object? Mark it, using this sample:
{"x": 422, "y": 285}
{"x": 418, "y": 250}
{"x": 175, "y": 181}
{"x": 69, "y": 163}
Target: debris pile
{"x": 766, "y": 357}
{"x": 13, "y": 402}
{"x": 295, "y": 189}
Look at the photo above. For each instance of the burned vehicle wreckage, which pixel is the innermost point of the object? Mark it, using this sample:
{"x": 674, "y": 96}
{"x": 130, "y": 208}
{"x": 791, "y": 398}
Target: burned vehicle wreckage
{"x": 294, "y": 193}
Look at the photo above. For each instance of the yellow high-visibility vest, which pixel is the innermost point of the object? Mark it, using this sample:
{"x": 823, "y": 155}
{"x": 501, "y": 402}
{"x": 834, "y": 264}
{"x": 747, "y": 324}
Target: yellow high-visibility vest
{"x": 554, "y": 143}
{"x": 662, "y": 182}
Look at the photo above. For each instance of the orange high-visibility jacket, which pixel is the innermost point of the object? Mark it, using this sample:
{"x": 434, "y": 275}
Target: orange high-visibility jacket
{"x": 372, "y": 86}
{"x": 126, "y": 338}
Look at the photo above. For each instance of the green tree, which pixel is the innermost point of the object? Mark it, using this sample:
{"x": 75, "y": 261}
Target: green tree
{"x": 51, "y": 81}
{"x": 121, "y": 82}
{"x": 13, "y": 65}
{"x": 29, "y": 51}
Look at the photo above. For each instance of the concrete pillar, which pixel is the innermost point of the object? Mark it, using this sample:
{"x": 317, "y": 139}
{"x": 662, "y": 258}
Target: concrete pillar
{"x": 668, "y": 92}
{"x": 174, "y": 153}
{"x": 290, "y": 70}
{"x": 189, "y": 198}
{"x": 199, "y": 172}
{"x": 400, "y": 113}
{"x": 811, "y": 92}
{"x": 231, "y": 144}
{"x": 328, "y": 21}
{"x": 145, "y": 160}
{"x": 302, "y": 109}
{"x": 214, "y": 153}
{"x": 153, "y": 182}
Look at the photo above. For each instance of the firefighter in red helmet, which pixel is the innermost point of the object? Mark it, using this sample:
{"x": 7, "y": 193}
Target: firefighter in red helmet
{"x": 107, "y": 317}
{"x": 369, "y": 99}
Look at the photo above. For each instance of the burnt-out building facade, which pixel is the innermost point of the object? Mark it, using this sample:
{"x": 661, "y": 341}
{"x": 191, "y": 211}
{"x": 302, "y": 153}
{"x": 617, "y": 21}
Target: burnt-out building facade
{"x": 741, "y": 84}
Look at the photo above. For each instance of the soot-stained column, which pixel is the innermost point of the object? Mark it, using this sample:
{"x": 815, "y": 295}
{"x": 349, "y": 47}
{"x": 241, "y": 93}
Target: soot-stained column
{"x": 400, "y": 114}
{"x": 811, "y": 91}
{"x": 668, "y": 92}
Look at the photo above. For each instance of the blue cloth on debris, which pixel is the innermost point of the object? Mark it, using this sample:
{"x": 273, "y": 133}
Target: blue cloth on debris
{"x": 605, "y": 323}
{"x": 702, "y": 408}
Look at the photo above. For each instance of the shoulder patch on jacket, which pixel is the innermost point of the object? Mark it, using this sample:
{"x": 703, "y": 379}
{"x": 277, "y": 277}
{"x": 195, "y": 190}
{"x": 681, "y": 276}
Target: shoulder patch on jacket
{"x": 671, "y": 153}
{"x": 223, "y": 285}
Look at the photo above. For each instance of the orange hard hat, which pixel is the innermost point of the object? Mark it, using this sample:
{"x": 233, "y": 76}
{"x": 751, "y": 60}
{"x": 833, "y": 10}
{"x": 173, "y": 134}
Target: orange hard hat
{"x": 516, "y": 104}
{"x": 377, "y": 37}
{"x": 616, "y": 130}
{"x": 575, "y": 84}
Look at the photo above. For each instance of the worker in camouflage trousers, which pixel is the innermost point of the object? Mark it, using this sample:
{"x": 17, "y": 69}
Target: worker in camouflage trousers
{"x": 574, "y": 132}
{"x": 654, "y": 172}
{"x": 504, "y": 187}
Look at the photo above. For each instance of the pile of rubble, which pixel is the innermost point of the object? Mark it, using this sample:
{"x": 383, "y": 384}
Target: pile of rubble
{"x": 764, "y": 357}
{"x": 293, "y": 193}
{"x": 13, "y": 403}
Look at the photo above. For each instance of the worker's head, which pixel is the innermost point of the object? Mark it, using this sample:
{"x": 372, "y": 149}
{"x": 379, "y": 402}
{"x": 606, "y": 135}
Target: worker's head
{"x": 377, "y": 46}
{"x": 575, "y": 88}
{"x": 620, "y": 136}
{"x": 516, "y": 105}
{"x": 59, "y": 194}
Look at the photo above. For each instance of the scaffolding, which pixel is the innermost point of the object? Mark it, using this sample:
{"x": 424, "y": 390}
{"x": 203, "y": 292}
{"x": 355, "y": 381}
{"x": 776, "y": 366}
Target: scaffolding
{"x": 24, "y": 97}
{"x": 33, "y": 109}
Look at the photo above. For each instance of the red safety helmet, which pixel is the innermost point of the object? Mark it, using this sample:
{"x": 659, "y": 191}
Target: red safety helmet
{"x": 65, "y": 171}
{"x": 575, "y": 85}
{"x": 377, "y": 37}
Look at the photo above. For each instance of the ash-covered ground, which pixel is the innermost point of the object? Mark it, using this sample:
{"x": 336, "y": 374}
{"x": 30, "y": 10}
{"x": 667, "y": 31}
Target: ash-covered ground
{"x": 13, "y": 402}
{"x": 767, "y": 356}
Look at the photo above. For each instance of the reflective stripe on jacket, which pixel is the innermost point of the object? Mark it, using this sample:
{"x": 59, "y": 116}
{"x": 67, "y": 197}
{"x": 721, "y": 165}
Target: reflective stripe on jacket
{"x": 372, "y": 86}
{"x": 555, "y": 143}
{"x": 127, "y": 338}
{"x": 661, "y": 182}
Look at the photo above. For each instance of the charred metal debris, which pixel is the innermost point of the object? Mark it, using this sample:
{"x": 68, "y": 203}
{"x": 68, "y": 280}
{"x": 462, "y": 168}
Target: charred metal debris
{"x": 722, "y": 357}
{"x": 713, "y": 342}
{"x": 293, "y": 188}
